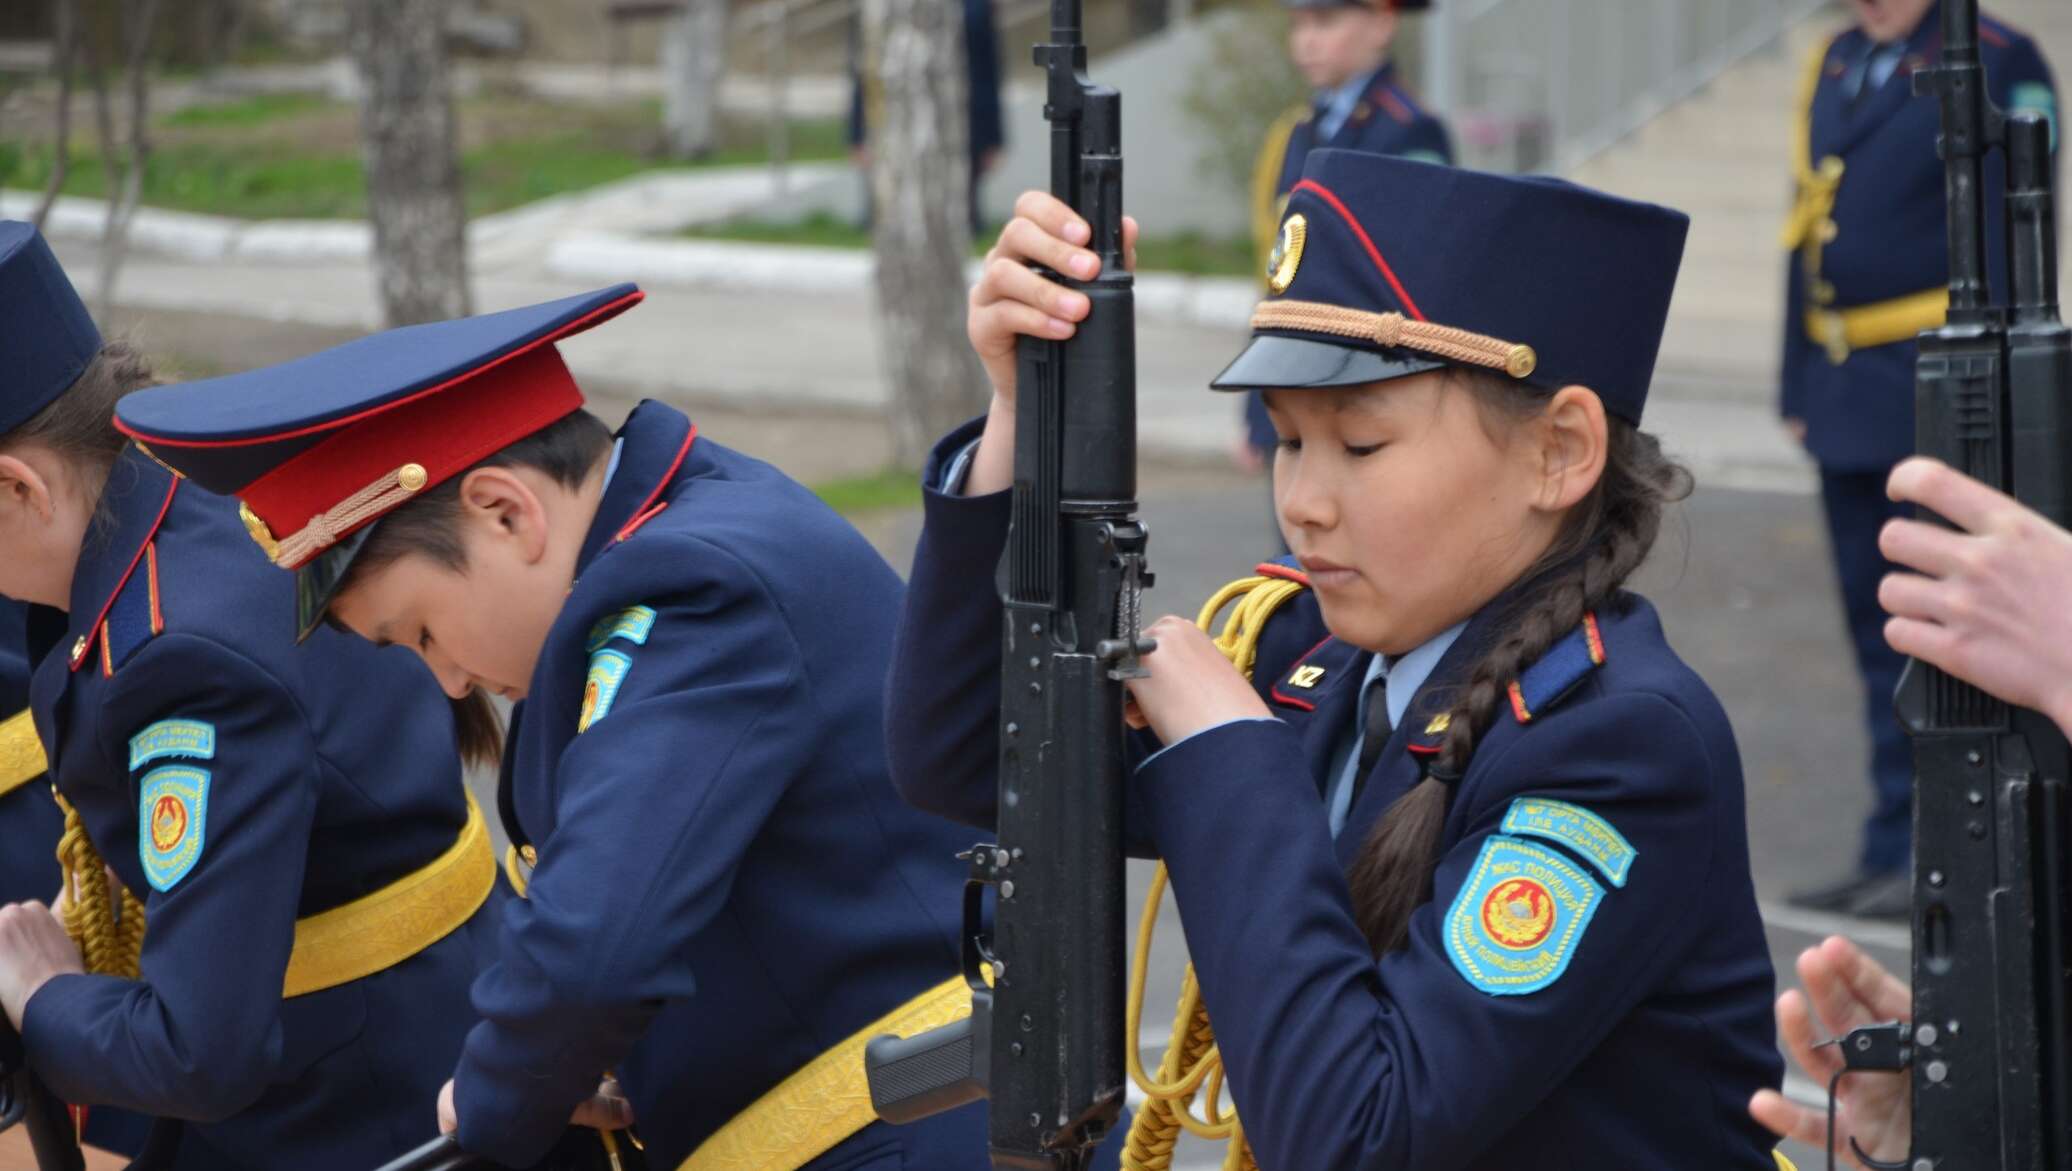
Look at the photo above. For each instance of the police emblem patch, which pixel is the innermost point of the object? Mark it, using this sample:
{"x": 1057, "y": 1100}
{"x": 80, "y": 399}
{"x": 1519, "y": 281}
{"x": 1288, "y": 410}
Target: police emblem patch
{"x": 607, "y": 671}
{"x": 1515, "y": 924}
{"x": 634, "y": 625}
{"x": 172, "y": 823}
{"x": 1589, "y": 835}
{"x": 194, "y": 739}
{"x": 2036, "y": 97}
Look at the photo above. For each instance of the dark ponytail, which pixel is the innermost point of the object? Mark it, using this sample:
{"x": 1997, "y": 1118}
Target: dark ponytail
{"x": 1603, "y": 540}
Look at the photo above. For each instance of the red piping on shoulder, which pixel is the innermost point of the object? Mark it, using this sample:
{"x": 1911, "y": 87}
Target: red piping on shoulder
{"x": 96, "y": 631}
{"x": 1394, "y": 105}
{"x": 1290, "y": 700}
{"x": 649, "y": 509}
{"x": 1270, "y": 569}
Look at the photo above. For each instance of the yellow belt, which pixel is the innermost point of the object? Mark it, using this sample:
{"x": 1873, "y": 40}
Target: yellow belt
{"x": 813, "y": 1110}
{"x": 1863, "y": 327}
{"x": 377, "y": 932}
{"x": 21, "y": 753}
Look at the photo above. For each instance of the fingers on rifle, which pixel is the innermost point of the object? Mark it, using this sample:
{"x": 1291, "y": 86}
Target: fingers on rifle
{"x": 1965, "y": 502}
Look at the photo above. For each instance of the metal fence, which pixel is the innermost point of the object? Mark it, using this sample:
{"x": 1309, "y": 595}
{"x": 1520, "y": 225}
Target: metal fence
{"x": 1545, "y": 84}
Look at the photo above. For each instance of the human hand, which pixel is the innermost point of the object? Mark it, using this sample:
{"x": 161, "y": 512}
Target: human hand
{"x": 33, "y": 948}
{"x": 1848, "y": 989}
{"x": 1191, "y": 685}
{"x": 1987, "y": 604}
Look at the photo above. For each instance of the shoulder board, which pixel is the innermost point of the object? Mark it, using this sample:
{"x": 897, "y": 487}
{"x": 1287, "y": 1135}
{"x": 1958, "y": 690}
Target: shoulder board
{"x": 1397, "y": 103}
{"x": 135, "y": 616}
{"x": 1558, "y": 672}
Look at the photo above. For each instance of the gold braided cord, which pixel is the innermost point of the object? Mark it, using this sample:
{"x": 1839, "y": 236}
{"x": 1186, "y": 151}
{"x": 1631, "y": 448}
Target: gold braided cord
{"x": 1267, "y": 200}
{"x": 1393, "y": 329}
{"x": 1187, "y": 1094}
{"x": 324, "y": 529}
{"x": 101, "y": 915}
{"x": 1817, "y": 184}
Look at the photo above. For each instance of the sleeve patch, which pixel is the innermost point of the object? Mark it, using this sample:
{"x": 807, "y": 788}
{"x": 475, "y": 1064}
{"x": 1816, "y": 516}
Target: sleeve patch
{"x": 607, "y": 671}
{"x": 1590, "y": 836}
{"x": 1516, "y": 922}
{"x": 173, "y": 822}
{"x": 193, "y": 739}
{"x": 634, "y": 625}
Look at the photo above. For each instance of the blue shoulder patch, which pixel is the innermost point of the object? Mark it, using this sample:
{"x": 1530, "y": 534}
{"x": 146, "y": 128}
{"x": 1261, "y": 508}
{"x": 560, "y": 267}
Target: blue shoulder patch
{"x": 633, "y": 624}
{"x": 194, "y": 739}
{"x": 2036, "y": 97}
{"x": 1591, "y": 837}
{"x": 172, "y": 823}
{"x": 1566, "y": 664}
{"x": 1515, "y": 924}
{"x": 607, "y": 672}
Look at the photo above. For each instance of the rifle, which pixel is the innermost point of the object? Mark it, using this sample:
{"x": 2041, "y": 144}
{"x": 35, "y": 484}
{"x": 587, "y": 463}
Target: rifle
{"x": 25, "y": 1101}
{"x": 1044, "y": 1041}
{"x": 1987, "y": 1048}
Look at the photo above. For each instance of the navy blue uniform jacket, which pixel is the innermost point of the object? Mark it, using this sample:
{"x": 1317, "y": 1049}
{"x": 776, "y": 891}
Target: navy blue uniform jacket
{"x": 29, "y": 820}
{"x": 1891, "y": 236}
{"x": 727, "y": 884}
{"x": 1642, "y": 1053}
{"x": 326, "y": 771}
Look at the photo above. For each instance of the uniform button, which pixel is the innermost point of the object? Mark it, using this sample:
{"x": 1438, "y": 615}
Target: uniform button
{"x": 1829, "y": 230}
{"x": 531, "y": 856}
{"x": 79, "y": 649}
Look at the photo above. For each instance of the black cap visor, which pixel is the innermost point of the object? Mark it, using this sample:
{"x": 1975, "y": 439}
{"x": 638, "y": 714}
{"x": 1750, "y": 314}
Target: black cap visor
{"x": 317, "y": 582}
{"x": 1275, "y": 362}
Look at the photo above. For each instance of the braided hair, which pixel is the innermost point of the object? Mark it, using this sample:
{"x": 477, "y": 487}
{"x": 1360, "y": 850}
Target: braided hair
{"x": 1602, "y": 541}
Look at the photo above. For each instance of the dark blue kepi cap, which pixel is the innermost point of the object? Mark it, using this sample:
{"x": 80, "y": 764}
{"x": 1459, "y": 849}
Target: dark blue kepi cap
{"x": 319, "y": 449}
{"x": 1388, "y": 267}
{"x": 47, "y": 337}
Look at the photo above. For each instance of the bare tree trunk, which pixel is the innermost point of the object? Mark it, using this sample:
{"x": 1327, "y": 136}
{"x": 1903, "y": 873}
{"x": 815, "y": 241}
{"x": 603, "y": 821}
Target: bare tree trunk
{"x": 66, "y": 61}
{"x": 694, "y": 58}
{"x": 920, "y": 170}
{"x": 412, "y": 160}
{"x": 139, "y": 19}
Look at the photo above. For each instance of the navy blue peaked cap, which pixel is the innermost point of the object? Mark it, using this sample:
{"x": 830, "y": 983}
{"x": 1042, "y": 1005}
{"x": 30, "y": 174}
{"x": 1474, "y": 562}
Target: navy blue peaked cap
{"x": 47, "y": 337}
{"x": 1387, "y": 267}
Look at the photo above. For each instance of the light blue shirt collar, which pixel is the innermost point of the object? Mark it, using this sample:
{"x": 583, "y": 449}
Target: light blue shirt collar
{"x": 1405, "y": 676}
{"x": 1337, "y": 104}
{"x": 612, "y": 469}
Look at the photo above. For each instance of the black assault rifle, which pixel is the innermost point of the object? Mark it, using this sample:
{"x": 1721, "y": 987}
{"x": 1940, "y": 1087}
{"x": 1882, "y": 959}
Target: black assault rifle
{"x": 1987, "y": 1048}
{"x": 24, "y": 1101}
{"x": 1044, "y": 1041}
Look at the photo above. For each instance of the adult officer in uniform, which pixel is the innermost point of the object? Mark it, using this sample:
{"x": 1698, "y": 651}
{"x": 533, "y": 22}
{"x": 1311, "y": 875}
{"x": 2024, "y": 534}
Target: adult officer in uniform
{"x": 1342, "y": 50}
{"x": 1868, "y": 270}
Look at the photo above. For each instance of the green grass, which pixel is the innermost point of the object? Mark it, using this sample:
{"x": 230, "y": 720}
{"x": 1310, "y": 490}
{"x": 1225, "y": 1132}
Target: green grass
{"x": 891, "y": 488}
{"x": 1185, "y": 253}
{"x": 252, "y": 111}
{"x": 298, "y": 156}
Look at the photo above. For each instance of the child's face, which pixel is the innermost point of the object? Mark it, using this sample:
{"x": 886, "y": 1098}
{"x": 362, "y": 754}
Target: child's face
{"x": 1888, "y": 20}
{"x": 1335, "y": 44}
{"x": 482, "y": 625}
{"x": 1405, "y": 508}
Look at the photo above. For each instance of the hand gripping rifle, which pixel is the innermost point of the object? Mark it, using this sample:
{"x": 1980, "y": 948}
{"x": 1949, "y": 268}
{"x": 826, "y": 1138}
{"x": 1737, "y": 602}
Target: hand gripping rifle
{"x": 1987, "y": 1048}
{"x": 25, "y": 1101}
{"x": 1044, "y": 1041}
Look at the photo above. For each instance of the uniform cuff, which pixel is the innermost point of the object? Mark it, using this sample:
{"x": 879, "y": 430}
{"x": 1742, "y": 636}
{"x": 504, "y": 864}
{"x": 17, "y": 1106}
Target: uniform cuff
{"x": 1200, "y": 732}
{"x": 1213, "y": 784}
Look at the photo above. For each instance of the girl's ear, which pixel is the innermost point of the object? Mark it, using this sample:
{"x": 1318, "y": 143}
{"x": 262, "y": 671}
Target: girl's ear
{"x": 25, "y": 491}
{"x": 1573, "y": 442}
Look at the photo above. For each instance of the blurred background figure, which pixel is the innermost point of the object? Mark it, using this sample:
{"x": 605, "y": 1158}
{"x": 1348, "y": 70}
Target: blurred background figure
{"x": 1868, "y": 270}
{"x": 1358, "y": 102}
{"x": 982, "y": 91}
